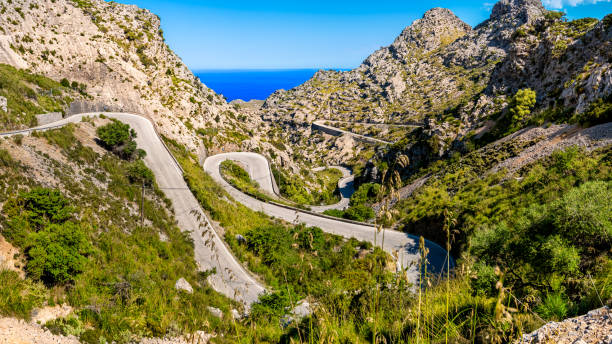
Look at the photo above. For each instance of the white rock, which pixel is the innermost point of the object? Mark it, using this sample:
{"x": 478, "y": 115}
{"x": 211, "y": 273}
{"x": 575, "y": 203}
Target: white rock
{"x": 303, "y": 309}
{"x": 3, "y": 104}
{"x": 183, "y": 285}
{"x": 236, "y": 315}
{"x": 215, "y": 311}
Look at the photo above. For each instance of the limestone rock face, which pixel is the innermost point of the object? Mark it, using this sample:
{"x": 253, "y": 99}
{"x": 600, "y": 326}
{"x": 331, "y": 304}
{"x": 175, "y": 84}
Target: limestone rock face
{"x": 449, "y": 78}
{"x": 3, "y": 104}
{"x": 118, "y": 51}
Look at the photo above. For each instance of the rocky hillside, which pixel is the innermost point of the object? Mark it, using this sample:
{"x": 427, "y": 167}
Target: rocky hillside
{"x": 451, "y": 78}
{"x": 116, "y": 56}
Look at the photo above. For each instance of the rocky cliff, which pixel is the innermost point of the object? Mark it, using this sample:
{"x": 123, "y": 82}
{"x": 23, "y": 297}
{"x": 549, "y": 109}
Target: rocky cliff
{"x": 118, "y": 52}
{"x": 452, "y": 79}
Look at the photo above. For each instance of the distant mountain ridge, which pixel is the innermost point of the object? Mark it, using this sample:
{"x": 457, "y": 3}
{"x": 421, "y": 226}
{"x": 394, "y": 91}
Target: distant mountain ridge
{"x": 451, "y": 77}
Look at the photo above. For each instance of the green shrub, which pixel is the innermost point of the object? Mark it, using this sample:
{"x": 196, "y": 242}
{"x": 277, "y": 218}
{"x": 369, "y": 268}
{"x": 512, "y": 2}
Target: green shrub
{"x": 58, "y": 253}
{"x": 359, "y": 212}
{"x": 271, "y": 243}
{"x": 70, "y": 326}
{"x": 139, "y": 173}
{"x": 334, "y": 212}
{"x": 554, "y": 307}
{"x": 115, "y": 133}
{"x": 6, "y": 160}
{"x": 366, "y": 192}
{"x": 583, "y": 213}
{"x": 522, "y": 103}
{"x": 19, "y": 297}
{"x": 119, "y": 138}
{"x": 41, "y": 206}
{"x": 271, "y": 305}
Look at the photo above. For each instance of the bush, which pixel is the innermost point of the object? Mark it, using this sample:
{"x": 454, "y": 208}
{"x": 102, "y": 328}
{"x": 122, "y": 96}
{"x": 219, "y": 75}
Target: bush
{"x": 139, "y": 173}
{"x": 365, "y": 193}
{"x": 522, "y": 103}
{"x": 554, "y": 307}
{"x": 270, "y": 243}
{"x": 41, "y": 206}
{"x": 119, "y": 138}
{"x": 19, "y": 297}
{"x": 359, "y": 212}
{"x": 115, "y": 133}
{"x": 583, "y": 213}
{"x": 58, "y": 253}
{"x": 64, "y": 82}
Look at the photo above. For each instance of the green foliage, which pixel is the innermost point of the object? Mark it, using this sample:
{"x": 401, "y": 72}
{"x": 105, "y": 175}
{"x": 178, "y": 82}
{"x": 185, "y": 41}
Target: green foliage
{"x": 71, "y": 326}
{"x": 600, "y": 111}
{"x": 554, "y": 307}
{"x": 58, "y": 253}
{"x": 366, "y": 193}
{"x": 554, "y": 15}
{"x": 301, "y": 190}
{"x": 19, "y": 297}
{"x": 40, "y": 206}
{"x": 6, "y": 160}
{"x": 544, "y": 231}
{"x": 240, "y": 179}
{"x": 115, "y": 133}
{"x": 522, "y": 103}
{"x": 119, "y": 138}
{"x": 139, "y": 173}
{"x": 271, "y": 305}
{"x": 55, "y": 247}
{"x": 125, "y": 290}
{"x": 27, "y": 95}
{"x": 359, "y": 212}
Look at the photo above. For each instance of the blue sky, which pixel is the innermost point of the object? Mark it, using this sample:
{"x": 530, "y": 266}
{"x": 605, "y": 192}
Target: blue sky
{"x": 218, "y": 34}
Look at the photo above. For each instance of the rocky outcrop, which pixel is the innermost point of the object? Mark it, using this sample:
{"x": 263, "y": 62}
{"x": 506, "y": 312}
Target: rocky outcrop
{"x": 118, "y": 52}
{"x": 3, "y": 104}
{"x": 595, "y": 327}
{"x": 450, "y": 78}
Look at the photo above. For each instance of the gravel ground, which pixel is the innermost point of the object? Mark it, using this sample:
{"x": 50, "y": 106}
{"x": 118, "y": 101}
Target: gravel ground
{"x": 13, "y": 331}
{"x": 556, "y": 137}
{"x": 594, "y": 327}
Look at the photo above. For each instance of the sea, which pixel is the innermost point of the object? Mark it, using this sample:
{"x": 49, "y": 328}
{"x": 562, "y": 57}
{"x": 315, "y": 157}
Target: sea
{"x": 253, "y": 84}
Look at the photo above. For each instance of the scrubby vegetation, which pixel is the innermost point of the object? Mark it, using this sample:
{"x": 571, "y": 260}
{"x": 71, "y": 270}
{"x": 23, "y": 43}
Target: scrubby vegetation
{"x": 28, "y": 95}
{"x": 86, "y": 247}
{"x": 313, "y": 188}
{"x": 119, "y": 138}
{"x": 359, "y": 209}
{"x": 240, "y": 179}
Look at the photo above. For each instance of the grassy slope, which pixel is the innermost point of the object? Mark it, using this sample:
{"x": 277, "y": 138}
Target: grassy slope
{"x": 28, "y": 95}
{"x": 127, "y": 286}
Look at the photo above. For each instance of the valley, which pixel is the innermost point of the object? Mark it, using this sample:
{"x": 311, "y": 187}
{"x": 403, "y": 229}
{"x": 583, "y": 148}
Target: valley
{"x": 454, "y": 187}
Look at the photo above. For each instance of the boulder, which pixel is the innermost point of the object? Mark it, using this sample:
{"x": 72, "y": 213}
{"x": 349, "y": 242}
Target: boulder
{"x": 3, "y": 104}
{"x": 216, "y": 312}
{"x": 183, "y": 285}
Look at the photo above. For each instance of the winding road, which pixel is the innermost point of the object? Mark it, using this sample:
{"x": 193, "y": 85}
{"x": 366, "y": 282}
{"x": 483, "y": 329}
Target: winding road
{"x": 345, "y": 186}
{"x": 403, "y": 246}
{"x": 231, "y": 278}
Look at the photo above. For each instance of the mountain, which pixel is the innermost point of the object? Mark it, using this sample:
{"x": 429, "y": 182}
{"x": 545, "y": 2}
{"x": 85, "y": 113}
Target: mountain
{"x": 119, "y": 54}
{"x": 452, "y": 79}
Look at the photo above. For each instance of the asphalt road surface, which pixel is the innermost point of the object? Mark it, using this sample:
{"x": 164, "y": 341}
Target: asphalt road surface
{"x": 403, "y": 246}
{"x": 231, "y": 278}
